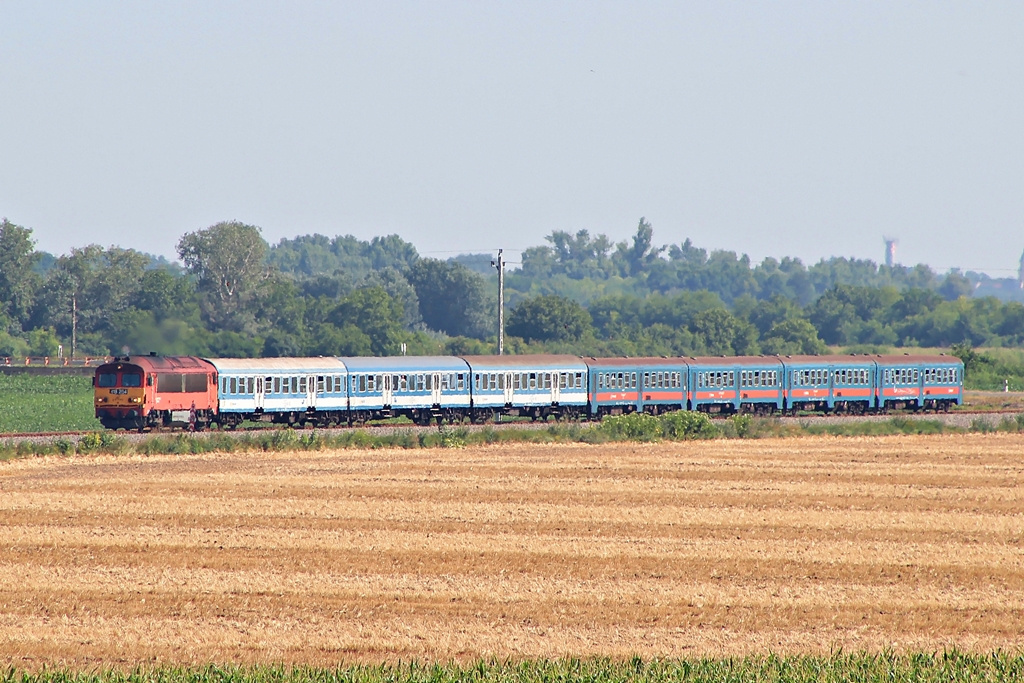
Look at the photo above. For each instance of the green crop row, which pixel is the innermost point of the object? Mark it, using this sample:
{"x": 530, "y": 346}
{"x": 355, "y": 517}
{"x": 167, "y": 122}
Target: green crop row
{"x": 887, "y": 667}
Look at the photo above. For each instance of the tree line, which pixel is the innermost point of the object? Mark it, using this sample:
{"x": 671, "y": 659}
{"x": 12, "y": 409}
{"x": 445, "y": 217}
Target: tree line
{"x": 235, "y": 295}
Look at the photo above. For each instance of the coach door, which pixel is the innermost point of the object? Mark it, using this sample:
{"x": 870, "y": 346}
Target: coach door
{"x": 435, "y": 389}
{"x": 507, "y": 388}
{"x": 555, "y": 390}
{"x": 258, "y": 398}
{"x": 310, "y": 392}
{"x": 388, "y": 391}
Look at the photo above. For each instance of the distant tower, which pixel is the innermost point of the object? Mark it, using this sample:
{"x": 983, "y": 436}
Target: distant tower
{"x": 890, "y": 250}
{"x": 1020, "y": 273}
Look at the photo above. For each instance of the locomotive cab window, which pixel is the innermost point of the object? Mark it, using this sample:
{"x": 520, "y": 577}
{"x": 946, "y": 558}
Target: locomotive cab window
{"x": 106, "y": 379}
{"x": 131, "y": 380}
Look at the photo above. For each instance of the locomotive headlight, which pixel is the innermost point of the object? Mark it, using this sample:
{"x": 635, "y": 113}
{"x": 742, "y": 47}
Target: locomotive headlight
{"x": 136, "y": 400}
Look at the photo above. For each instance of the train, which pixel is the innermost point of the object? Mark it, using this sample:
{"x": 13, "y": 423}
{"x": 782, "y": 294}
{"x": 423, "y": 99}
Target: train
{"x": 156, "y": 392}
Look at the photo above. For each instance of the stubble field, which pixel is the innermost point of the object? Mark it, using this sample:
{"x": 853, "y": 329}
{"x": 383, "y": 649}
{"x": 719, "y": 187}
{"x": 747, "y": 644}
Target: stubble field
{"x": 703, "y": 548}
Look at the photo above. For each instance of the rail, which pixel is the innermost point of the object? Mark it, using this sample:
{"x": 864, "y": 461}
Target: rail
{"x": 53, "y": 361}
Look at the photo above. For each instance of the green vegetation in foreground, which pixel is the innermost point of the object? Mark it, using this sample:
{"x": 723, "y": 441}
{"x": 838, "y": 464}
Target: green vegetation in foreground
{"x": 636, "y": 427}
{"x": 46, "y": 403}
{"x": 860, "y": 667}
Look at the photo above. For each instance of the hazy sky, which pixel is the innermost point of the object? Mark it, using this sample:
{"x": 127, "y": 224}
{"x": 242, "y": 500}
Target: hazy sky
{"x": 806, "y": 129}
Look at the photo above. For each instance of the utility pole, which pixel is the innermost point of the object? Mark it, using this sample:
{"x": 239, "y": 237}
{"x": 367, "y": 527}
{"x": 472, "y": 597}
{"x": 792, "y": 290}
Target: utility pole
{"x": 500, "y": 265}
{"x": 74, "y": 324}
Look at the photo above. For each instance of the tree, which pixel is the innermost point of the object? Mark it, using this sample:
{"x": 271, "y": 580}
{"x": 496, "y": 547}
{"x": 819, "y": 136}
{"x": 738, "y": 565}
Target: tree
{"x": 453, "y": 299}
{"x": 375, "y": 316}
{"x": 793, "y": 336}
{"x": 398, "y": 288}
{"x": 549, "y": 318}
{"x": 635, "y": 258}
{"x": 87, "y": 287}
{"x": 18, "y": 281}
{"x": 228, "y": 261}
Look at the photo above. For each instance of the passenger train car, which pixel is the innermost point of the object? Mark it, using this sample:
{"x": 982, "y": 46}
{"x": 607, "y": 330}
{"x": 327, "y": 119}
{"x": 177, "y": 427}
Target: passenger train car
{"x": 146, "y": 392}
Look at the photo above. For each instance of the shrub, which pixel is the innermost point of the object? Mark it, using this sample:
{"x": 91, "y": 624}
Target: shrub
{"x": 90, "y": 442}
{"x": 633, "y": 427}
{"x": 452, "y": 438}
{"x": 681, "y": 424}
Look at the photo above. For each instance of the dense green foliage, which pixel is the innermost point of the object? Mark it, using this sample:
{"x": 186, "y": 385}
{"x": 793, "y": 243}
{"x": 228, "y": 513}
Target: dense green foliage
{"x": 862, "y": 667}
{"x": 238, "y": 296}
{"x": 46, "y": 403}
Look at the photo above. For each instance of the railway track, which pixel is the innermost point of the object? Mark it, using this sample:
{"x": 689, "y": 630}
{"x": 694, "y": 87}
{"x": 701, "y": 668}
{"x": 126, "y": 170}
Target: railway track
{"x": 958, "y": 418}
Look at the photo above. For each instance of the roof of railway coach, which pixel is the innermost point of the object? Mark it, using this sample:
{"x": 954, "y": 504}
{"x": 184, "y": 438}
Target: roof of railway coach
{"x": 184, "y": 364}
{"x": 536, "y": 360}
{"x": 405, "y": 363}
{"x": 647, "y": 361}
{"x": 722, "y": 361}
{"x": 917, "y": 358}
{"x": 828, "y": 359}
{"x": 258, "y": 365}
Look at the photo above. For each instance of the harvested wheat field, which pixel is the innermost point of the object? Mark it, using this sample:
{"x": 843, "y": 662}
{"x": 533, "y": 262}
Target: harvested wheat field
{"x": 721, "y": 547}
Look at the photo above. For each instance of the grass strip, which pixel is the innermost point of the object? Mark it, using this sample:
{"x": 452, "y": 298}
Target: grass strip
{"x": 635, "y": 427}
